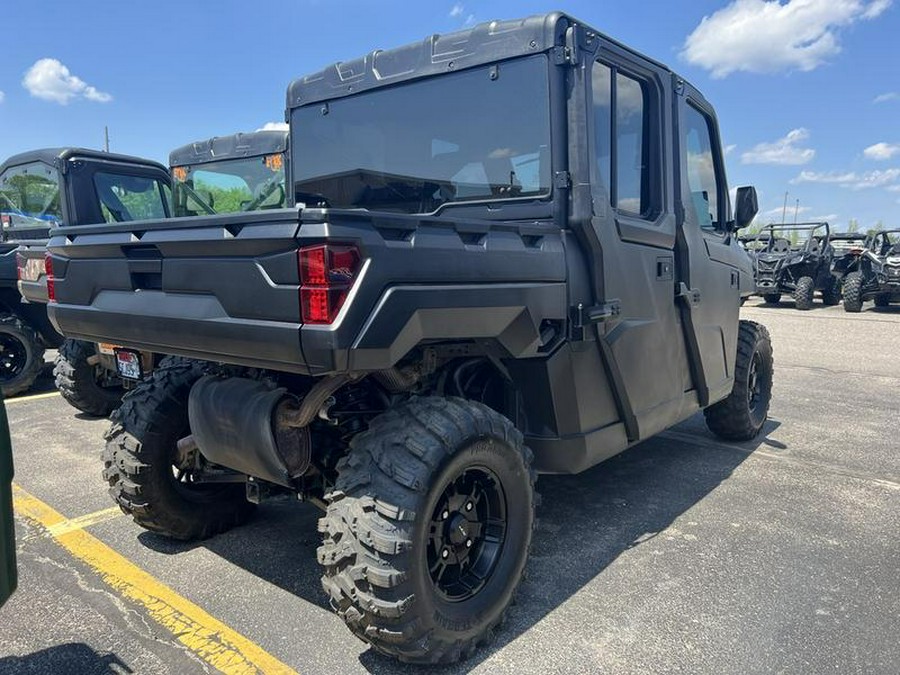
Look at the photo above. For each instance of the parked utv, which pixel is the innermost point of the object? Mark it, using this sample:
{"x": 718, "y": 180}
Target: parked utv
{"x": 99, "y": 187}
{"x": 796, "y": 259}
{"x": 84, "y": 187}
{"x": 29, "y": 205}
{"x": 847, "y": 249}
{"x": 521, "y": 279}
{"x": 877, "y": 273}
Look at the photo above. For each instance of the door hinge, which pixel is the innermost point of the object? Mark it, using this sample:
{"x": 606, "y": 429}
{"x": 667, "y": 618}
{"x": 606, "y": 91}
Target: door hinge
{"x": 689, "y": 296}
{"x": 561, "y": 180}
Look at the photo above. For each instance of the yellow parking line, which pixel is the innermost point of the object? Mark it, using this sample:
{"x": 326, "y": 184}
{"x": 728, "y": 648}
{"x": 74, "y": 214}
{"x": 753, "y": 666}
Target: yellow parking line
{"x": 220, "y": 646}
{"x": 84, "y": 521}
{"x": 33, "y": 397}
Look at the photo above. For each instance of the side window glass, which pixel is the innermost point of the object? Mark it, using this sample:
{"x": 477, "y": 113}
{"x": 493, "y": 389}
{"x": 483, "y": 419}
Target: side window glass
{"x": 702, "y": 173}
{"x": 622, "y": 108}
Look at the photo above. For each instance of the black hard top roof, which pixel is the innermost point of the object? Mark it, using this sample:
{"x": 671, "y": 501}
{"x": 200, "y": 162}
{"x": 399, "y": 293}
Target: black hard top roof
{"x": 249, "y": 144}
{"x": 54, "y": 156}
{"x": 849, "y": 235}
{"x": 483, "y": 43}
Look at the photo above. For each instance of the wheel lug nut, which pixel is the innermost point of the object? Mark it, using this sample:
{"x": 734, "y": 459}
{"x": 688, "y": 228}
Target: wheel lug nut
{"x": 445, "y": 554}
{"x": 468, "y": 543}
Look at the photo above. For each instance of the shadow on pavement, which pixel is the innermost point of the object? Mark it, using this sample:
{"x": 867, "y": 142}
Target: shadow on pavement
{"x": 585, "y": 523}
{"x": 75, "y": 657}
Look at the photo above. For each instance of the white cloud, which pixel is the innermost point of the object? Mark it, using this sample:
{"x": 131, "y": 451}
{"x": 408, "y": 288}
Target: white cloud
{"x": 729, "y": 149}
{"x": 470, "y": 20}
{"x": 887, "y": 96}
{"x": 784, "y": 151}
{"x": 882, "y": 151}
{"x": 766, "y": 36}
{"x": 274, "y": 126}
{"x": 457, "y": 10}
{"x": 50, "y": 80}
{"x": 852, "y": 180}
{"x": 2, "y": 96}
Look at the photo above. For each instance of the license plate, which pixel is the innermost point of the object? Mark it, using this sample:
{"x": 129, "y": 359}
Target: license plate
{"x": 128, "y": 363}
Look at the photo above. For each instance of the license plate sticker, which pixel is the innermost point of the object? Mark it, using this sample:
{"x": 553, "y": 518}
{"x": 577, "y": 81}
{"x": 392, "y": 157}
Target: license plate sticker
{"x": 128, "y": 363}
{"x": 107, "y": 348}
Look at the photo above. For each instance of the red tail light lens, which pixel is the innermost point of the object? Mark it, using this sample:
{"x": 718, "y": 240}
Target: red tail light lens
{"x": 48, "y": 268}
{"x": 327, "y": 273}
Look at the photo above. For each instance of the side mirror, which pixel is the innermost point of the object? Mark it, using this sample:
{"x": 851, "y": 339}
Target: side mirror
{"x": 746, "y": 206}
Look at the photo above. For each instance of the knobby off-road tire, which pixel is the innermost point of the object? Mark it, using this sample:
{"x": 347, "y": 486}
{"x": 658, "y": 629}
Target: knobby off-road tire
{"x": 803, "y": 293}
{"x": 742, "y": 415}
{"x": 831, "y": 296}
{"x": 852, "y": 292}
{"x": 407, "y": 565}
{"x": 78, "y": 381}
{"x": 139, "y": 456}
{"x": 883, "y": 300}
{"x": 772, "y": 298}
{"x": 21, "y": 355}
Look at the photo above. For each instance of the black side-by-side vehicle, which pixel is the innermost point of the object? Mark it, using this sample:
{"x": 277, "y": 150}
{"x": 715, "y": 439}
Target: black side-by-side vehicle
{"x": 877, "y": 273}
{"x": 795, "y": 259}
{"x": 513, "y": 252}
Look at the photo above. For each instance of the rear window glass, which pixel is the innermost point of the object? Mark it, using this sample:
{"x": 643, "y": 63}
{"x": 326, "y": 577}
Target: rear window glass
{"x": 29, "y": 196}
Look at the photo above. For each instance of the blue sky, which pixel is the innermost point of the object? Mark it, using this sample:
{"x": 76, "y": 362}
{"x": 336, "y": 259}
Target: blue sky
{"x": 807, "y": 91}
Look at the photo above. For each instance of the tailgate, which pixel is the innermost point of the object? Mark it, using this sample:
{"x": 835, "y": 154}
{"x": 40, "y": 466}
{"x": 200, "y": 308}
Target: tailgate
{"x": 220, "y": 288}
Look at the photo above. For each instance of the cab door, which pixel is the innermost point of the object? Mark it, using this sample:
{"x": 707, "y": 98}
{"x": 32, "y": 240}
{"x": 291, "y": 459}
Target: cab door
{"x": 7, "y": 538}
{"x": 709, "y": 258}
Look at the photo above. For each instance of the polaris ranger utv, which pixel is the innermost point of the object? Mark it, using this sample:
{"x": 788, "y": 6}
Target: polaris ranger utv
{"x": 796, "y": 260}
{"x": 513, "y": 253}
{"x": 87, "y": 187}
{"x": 93, "y": 376}
{"x": 877, "y": 273}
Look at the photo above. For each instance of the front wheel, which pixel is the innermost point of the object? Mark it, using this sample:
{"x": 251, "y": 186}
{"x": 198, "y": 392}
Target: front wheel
{"x": 852, "y": 291}
{"x": 742, "y": 415}
{"x": 146, "y": 476}
{"x": 428, "y": 529}
{"x": 803, "y": 293}
{"x": 85, "y": 385}
{"x": 831, "y": 295}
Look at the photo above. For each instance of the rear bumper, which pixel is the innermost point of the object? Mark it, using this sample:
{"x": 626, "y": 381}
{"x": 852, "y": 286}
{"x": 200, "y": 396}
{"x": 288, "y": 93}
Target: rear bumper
{"x": 194, "y": 326}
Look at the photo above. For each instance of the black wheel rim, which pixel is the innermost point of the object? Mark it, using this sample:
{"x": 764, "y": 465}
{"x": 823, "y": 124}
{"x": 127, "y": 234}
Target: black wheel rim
{"x": 467, "y": 532}
{"x": 13, "y": 357}
{"x": 754, "y": 383}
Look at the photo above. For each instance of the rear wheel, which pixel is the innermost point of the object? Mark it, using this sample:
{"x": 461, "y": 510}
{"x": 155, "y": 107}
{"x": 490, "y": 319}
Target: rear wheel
{"x": 852, "y": 292}
{"x": 21, "y": 355}
{"x": 772, "y": 298}
{"x": 832, "y": 294}
{"x": 742, "y": 415}
{"x": 803, "y": 293}
{"x": 428, "y": 529}
{"x": 82, "y": 383}
{"x": 883, "y": 300}
{"x": 148, "y": 479}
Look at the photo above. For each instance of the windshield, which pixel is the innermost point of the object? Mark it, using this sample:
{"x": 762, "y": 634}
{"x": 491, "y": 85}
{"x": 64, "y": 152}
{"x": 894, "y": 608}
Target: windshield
{"x": 794, "y": 238}
{"x": 846, "y": 244}
{"x": 124, "y": 198}
{"x": 230, "y": 185}
{"x": 478, "y": 135}
{"x": 29, "y": 196}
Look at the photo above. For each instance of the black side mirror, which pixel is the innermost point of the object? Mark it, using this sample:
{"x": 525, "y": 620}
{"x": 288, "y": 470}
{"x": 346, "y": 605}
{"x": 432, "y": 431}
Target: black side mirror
{"x": 746, "y": 206}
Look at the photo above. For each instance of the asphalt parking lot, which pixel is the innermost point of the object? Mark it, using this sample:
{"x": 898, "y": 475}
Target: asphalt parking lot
{"x": 683, "y": 554}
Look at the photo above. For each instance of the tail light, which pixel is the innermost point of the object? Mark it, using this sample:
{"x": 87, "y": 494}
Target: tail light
{"x": 327, "y": 273}
{"x": 48, "y": 268}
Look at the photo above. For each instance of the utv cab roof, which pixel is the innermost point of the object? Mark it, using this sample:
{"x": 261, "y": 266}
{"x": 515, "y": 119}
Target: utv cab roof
{"x": 249, "y": 144}
{"x": 796, "y": 226}
{"x": 849, "y": 236}
{"x": 56, "y": 156}
{"x": 482, "y": 44}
